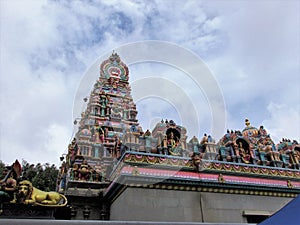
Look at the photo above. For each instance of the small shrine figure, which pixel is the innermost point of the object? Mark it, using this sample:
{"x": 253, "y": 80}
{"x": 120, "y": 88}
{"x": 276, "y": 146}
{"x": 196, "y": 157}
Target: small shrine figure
{"x": 116, "y": 150}
{"x": 103, "y": 104}
{"x": 115, "y": 84}
{"x": 165, "y": 145}
{"x": 210, "y": 139}
{"x": 74, "y": 173}
{"x": 99, "y": 134}
{"x": 172, "y": 142}
{"x": 262, "y": 131}
{"x": 102, "y": 135}
{"x": 8, "y": 185}
{"x": 97, "y": 175}
{"x": 204, "y": 140}
{"x": 63, "y": 176}
{"x": 73, "y": 147}
{"x": 295, "y": 157}
{"x": 244, "y": 153}
{"x": 8, "y": 188}
{"x": 197, "y": 161}
{"x": 84, "y": 171}
{"x": 125, "y": 109}
{"x": 71, "y": 155}
{"x": 147, "y": 133}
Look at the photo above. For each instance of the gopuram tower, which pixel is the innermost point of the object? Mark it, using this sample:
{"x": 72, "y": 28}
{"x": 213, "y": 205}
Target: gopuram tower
{"x": 109, "y": 114}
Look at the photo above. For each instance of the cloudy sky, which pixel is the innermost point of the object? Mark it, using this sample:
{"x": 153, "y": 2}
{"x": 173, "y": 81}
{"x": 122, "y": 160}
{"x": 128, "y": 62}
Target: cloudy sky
{"x": 250, "y": 47}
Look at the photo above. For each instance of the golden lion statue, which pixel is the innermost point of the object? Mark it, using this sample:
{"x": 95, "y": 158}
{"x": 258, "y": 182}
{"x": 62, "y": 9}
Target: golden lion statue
{"x": 28, "y": 194}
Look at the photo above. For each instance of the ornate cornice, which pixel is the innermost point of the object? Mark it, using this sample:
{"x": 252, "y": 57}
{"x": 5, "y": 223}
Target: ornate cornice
{"x": 211, "y": 166}
{"x": 144, "y": 170}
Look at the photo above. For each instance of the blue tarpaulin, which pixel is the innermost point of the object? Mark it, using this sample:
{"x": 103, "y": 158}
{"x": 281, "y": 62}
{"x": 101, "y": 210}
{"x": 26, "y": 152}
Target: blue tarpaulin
{"x": 288, "y": 215}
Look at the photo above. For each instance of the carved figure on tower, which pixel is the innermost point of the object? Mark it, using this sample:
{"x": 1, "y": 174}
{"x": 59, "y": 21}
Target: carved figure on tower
{"x": 173, "y": 141}
{"x": 84, "y": 171}
{"x": 244, "y": 153}
{"x": 103, "y": 104}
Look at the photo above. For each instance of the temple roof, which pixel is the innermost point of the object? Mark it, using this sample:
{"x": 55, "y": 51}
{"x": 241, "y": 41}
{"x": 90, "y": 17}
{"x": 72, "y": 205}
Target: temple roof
{"x": 109, "y": 138}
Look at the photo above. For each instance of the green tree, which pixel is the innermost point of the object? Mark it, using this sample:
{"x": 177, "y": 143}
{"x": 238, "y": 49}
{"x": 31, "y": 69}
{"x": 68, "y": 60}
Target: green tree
{"x": 43, "y": 177}
{"x": 28, "y": 171}
{"x": 2, "y": 168}
{"x": 46, "y": 177}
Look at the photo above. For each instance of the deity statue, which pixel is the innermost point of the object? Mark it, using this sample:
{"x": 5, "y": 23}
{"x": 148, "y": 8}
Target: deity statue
{"x": 63, "y": 176}
{"x": 244, "y": 153}
{"x": 97, "y": 175}
{"x": 84, "y": 171}
{"x": 72, "y": 150}
{"x": 125, "y": 109}
{"x": 103, "y": 104}
{"x": 8, "y": 184}
{"x": 8, "y": 187}
{"x": 172, "y": 142}
{"x": 74, "y": 173}
{"x": 99, "y": 135}
{"x": 204, "y": 140}
{"x": 262, "y": 131}
{"x": 297, "y": 156}
{"x": 197, "y": 161}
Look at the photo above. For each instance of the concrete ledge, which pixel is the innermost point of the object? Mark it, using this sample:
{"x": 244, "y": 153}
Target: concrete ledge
{"x": 97, "y": 222}
{"x": 25, "y": 211}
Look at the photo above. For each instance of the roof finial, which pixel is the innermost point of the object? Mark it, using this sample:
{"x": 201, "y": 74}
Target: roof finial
{"x": 247, "y": 122}
{"x": 114, "y": 57}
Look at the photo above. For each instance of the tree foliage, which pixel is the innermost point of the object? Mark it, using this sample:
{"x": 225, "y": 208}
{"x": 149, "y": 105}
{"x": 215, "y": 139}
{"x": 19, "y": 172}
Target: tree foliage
{"x": 43, "y": 177}
{"x": 2, "y": 168}
{"x": 46, "y": 177}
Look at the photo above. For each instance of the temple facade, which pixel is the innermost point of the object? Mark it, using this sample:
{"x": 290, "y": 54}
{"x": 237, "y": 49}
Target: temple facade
{"x": 114, "y": 170}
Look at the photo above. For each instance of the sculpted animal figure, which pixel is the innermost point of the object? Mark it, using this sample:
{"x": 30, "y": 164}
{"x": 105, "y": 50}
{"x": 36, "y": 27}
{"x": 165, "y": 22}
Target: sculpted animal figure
{"x": 28, "y": 194}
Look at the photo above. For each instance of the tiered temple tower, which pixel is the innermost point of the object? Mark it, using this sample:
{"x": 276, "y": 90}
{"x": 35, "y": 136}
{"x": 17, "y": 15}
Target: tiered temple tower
{"x": 109, "y": 114}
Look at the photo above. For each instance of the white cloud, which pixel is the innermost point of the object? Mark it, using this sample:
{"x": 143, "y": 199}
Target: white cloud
{"x": 283, "y": 122}
{"x": 260, "y": 63}
{"x": 46, "y": 46}
{"x": 57, "y": 136}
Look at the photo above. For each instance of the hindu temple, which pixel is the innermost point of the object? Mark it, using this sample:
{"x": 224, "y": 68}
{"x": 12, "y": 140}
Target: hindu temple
{"x": 115, "y": 170}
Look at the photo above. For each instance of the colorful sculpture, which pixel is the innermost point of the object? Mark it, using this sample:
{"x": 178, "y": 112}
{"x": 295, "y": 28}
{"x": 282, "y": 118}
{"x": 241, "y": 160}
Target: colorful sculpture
{"x": 27, "y": 194}
{"x": 23, "y": 192}
{"x": 84, "y": 171}
{"x": 8, "y": 184}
